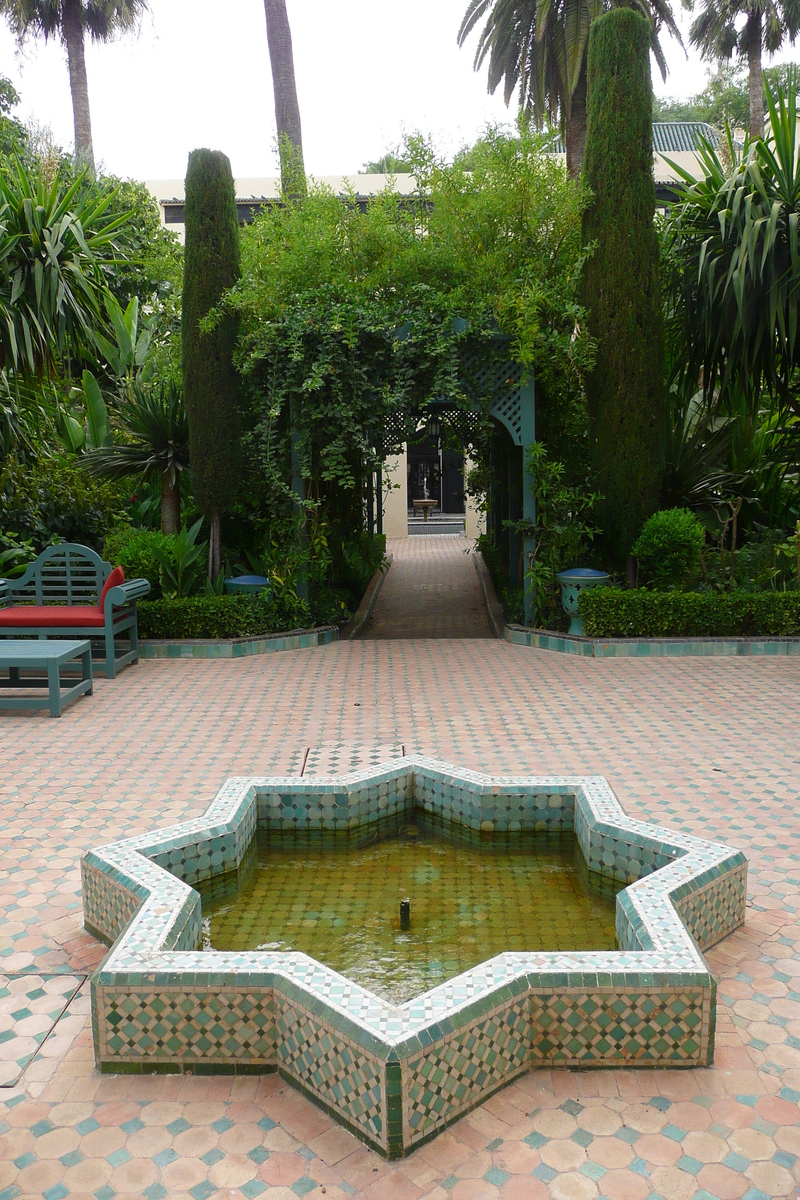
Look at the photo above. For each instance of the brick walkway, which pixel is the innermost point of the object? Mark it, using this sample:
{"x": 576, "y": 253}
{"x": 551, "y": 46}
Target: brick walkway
{"x": 432, "y": 591}
{"x": 709, "y": 746}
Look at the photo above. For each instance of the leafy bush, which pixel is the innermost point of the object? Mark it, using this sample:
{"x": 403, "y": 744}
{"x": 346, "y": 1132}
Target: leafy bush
{"x": 181, "y": 560}
{"x": 135, "y": 551}
{"x": 361, "y": 556}
{"x": 55, "y": 500}
{"x": 614, "y": 612}
{"x": 330, "y": 606}
{"x": 510, "y": 595}
{"x": 561, "y": 534}
{"x": 218, "y": 617}
{"x": 668, "y": 549}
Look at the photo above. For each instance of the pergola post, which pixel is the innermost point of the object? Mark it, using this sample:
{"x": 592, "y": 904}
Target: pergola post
{"x": 528, "y": 414}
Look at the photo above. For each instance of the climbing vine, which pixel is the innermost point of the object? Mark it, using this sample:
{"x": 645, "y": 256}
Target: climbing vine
{"x": 353, "y": 313}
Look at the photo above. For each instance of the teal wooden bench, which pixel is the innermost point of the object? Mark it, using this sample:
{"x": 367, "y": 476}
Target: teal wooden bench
{"x": 69, "y": 592}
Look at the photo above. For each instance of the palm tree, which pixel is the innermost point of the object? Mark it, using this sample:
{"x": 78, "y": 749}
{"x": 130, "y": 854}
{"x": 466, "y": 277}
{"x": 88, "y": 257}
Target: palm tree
{"x": 540, "y": 45}
{"x": 720, "y": 32}
{"x": 287, "y": 110}
{"x": 70, "y": 20}
{"x": 157, "y": 442}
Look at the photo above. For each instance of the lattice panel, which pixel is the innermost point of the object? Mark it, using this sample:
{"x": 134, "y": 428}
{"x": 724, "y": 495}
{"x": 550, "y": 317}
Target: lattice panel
{"x": 487, "y": 378}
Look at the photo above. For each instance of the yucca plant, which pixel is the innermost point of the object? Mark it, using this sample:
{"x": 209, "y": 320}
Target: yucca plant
{"x": 57, "y": 245}
{"x": 734, "y": 235}
{"x": 156, "y": 429}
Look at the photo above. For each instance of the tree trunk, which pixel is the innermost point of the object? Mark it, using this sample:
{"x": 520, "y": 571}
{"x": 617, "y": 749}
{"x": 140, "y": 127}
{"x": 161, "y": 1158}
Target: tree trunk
{"x": 756, "y": 83}
{"x": 214, "y": 548}
{"x": 170, "y": 504}
{"x": 72, "y": 32}
{"x": 575, "y": 127}
{"x": 287, "y": 110}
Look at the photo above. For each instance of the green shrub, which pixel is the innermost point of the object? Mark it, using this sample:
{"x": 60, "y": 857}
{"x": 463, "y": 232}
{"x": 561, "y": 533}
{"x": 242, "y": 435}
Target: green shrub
{"x": 330, "y": 606}
{"x": 615, "y": 612}
{"x": 356, "y": 561}
{"x": 510, "y": 595}
{"x": 54, "y": 500}
{"x": 217, "y": 617}
{"x": 135, "y": 551}
{"x": 668, "y": 549}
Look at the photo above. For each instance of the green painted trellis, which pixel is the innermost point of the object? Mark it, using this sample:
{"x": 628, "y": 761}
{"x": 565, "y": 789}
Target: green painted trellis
{"x": 490, "y": 382}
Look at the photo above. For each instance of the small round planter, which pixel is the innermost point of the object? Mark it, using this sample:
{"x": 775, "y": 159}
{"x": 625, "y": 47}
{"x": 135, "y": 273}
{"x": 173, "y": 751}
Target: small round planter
{"x": 573, "y": 582}
{"x": 247, "y": 583}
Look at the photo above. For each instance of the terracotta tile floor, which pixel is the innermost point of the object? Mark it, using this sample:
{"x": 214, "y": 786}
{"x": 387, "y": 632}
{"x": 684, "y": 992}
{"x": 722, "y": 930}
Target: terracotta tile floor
{"x": 707, "y": 745}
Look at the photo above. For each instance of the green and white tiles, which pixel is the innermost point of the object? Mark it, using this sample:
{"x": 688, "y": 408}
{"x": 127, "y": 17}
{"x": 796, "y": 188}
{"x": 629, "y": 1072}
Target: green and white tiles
{"x": 396, "y": 1075}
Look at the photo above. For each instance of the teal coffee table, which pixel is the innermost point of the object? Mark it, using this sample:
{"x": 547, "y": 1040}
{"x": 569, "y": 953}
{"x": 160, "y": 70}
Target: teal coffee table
{"x": 17, "y": 657}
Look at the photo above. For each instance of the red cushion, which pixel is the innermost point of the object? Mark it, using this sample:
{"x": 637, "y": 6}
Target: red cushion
{"x": 52, "y": 616}
{"x": 116, "y": 577}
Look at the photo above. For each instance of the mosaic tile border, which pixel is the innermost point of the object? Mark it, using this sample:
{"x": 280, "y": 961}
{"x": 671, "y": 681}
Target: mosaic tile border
{"x": 711, "y": 647}
{"x": 396, "y": 1075}
{"x": 303, "y": 639}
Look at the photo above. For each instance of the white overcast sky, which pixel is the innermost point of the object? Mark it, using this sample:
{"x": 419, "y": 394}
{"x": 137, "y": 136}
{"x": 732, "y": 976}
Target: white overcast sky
{"x": 198, "y": 75}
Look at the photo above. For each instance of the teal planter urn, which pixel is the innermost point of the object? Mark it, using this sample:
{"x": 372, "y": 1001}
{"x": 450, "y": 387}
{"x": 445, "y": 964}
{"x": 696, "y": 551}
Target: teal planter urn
{"x": 247, "y": 584}
{"x": 573, "y": 582}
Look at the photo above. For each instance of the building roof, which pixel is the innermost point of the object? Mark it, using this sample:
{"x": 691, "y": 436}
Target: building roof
{"x": 670, "y": 137}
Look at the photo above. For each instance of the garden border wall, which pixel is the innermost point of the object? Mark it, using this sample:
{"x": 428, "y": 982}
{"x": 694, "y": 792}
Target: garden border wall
{"x": 711, "y": 647}
{"x": 298, "y": 639}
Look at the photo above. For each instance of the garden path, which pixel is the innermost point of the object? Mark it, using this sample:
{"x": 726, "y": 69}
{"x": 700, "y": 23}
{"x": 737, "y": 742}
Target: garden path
{"x": 432, "y": 590}
{"x": 707, "y": 745}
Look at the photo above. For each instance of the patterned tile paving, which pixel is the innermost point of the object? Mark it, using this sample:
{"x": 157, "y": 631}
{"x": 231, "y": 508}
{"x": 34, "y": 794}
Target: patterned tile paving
{"x": 30, "y": 1006}
{"x": 337, "y": 758}
{"x": 706, "y": 746}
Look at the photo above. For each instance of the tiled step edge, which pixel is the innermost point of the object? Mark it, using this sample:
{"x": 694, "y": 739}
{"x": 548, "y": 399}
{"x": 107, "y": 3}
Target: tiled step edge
{"x": 712, "y": 647}
{"x": 298, "y": 639}
{"x": 493, "y": 606}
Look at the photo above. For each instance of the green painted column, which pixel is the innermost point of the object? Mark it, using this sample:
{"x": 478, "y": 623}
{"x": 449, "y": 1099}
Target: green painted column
{"x": 528, "y": 413}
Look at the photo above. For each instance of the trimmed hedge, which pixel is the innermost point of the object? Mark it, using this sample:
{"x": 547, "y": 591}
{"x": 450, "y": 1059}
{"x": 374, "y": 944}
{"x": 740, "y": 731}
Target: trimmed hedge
{"x": 615, "y": 612}
{"x": 215, "y": 617}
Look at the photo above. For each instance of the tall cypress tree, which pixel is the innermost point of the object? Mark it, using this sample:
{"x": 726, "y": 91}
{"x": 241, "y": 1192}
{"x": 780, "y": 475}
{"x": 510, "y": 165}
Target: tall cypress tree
{"x": 210, "y": 384}
{"x": 621, "y": 284}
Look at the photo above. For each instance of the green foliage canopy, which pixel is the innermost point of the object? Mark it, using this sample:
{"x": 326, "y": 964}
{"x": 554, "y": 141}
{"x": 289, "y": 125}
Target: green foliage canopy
{"x": 726, "y": 97}
{"x": 326, "y": 288}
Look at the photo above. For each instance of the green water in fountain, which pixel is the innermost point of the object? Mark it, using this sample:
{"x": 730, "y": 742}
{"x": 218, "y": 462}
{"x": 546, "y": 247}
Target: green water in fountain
{"x": 337, "y": 896}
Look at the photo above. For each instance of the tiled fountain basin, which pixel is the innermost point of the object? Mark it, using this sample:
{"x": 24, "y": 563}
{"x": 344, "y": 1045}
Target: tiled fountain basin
{"x": 397, "y": 1076}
